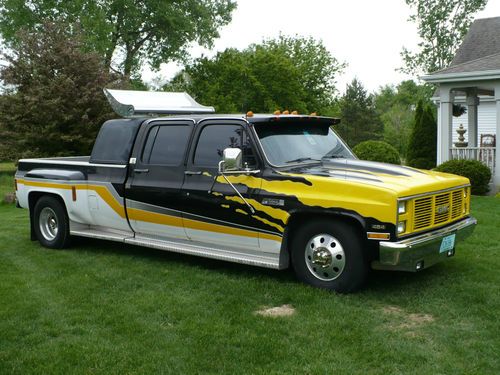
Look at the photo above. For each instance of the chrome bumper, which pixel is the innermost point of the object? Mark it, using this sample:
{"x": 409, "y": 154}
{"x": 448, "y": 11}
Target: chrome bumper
{"x": 422, "y": 251}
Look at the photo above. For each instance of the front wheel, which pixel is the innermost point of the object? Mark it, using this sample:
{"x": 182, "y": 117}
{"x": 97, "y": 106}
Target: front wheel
{"x": 51, "y": 223}
{"x": 329, "y": 254}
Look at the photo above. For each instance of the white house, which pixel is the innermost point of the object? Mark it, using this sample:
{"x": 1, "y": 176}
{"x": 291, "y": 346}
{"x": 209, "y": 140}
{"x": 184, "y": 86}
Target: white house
{"x": 472, "y": 80}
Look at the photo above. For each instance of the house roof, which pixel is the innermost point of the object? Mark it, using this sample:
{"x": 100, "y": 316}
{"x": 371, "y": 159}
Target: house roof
{"x": 482, "y": 40}
{"x": 478, "y": 56}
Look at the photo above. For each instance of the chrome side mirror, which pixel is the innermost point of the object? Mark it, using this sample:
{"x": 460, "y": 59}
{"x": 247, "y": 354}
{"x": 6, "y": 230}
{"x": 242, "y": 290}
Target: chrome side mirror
{"x": 232, "y": 160}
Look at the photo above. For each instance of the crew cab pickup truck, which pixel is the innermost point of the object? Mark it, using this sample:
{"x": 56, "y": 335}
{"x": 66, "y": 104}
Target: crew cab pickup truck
{"x": 266, "y": 190}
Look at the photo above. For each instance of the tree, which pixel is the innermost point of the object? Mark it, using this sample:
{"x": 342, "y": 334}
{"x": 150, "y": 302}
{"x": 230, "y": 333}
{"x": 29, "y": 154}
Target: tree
{"x": 53, "y": 102}
{"x": 286, "y": 73}
{"x": 132, "y": 31}
{"x": 359, "y": 120}
{"x": 422, "y": 147}
{"x": 442, "y": 25}
{"x": 396, "y": 107}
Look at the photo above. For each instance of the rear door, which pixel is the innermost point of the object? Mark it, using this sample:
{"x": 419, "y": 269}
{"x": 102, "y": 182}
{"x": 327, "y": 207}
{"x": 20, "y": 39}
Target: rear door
{"x": 153, "y": 191}
{"x": 213, "y": 213}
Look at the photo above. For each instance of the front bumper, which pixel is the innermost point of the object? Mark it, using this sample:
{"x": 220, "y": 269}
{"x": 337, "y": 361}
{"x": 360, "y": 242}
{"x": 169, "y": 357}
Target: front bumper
{"x": 416, "y": 253}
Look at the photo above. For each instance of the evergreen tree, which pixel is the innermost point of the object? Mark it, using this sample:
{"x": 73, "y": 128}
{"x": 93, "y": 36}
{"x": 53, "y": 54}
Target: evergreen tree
{"x": 422, "y": 147}
{"x": 359, "y": 120}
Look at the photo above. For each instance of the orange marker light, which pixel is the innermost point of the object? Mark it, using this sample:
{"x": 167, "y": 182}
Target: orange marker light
{"x": 295, "y": 113}
{"x": 286, "y": 112}
{"x": 249, "y": 114}
{"x": 277, "y": 112}
{"x": 313, "y": 114}
{"x": 379, "y": 236}
{"x": 73, "y": 193}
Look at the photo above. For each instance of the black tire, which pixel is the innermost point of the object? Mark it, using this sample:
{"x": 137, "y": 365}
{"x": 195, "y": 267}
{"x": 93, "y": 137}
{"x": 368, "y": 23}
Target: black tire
{"x": 51, "y": 223}
{"x": 329, "y": 254}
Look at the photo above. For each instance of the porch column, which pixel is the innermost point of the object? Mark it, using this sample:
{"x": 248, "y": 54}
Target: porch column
{"x": 472, "y": 103}
{"x": 445, "y": 127}
{"x": 496, "y": 179}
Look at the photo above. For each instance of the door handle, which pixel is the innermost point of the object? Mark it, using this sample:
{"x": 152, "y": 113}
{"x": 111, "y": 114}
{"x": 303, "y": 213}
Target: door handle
{"x": 192, "y": 173}
{"x": 141, "y": 170}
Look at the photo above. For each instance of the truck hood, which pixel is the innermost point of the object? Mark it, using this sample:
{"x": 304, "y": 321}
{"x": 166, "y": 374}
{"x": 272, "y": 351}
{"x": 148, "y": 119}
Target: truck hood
{"x": 403, "y": 181}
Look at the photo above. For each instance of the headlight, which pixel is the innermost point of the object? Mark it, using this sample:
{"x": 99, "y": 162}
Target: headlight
{"x": 401, "y": 227}
{"x": 401, "y": 207}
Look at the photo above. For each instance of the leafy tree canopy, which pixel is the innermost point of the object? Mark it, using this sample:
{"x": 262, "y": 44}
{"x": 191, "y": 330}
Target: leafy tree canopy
{"x": 53, "y": 102}
{"x": 132, "y": 31}
{"x": 396, "y": 106}
{"x": 292, "y": 73}
{"x": 442, "y": 26}
{"x": 359, "y": 119}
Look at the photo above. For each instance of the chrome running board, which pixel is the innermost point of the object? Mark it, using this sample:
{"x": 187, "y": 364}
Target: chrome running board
{"x": 243, "y": 256}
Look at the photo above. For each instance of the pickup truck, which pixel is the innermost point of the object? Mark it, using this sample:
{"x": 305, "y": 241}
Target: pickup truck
{"x": 272, "y": 190}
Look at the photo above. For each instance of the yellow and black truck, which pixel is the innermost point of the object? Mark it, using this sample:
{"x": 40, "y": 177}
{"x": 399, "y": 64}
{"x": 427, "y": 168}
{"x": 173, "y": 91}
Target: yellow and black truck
{"x": 273, "y": 190}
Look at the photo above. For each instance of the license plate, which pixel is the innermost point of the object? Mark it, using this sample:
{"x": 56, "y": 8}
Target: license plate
{"x": 448, "y": 243}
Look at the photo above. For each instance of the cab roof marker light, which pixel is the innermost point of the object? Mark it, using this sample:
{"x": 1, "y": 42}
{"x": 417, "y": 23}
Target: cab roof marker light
{"x": 277, "y": 112}
{"x": 286, "y": 112}
{"x": 249, "y": 114}
{"x": 295, "y": 112}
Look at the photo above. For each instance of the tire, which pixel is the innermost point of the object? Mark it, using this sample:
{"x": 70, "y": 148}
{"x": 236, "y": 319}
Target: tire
{"x": 51, "y": 223}
{"x": 329, "y": 254}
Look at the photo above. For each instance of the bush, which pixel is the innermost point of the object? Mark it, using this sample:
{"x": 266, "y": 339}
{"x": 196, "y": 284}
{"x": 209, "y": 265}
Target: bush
{"x": 422, "y": 146}
{"x": 377, "y": 151}
{"x": 478, "y": 173}
{"x": 423, "y": 163}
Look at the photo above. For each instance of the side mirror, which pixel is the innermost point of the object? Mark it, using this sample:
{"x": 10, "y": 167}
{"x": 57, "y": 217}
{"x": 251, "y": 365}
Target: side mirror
{"x": 232, "y": 160}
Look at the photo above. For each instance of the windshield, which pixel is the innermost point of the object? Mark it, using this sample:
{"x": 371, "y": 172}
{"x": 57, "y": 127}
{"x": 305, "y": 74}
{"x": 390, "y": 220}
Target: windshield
{"x": 296, "y": 143}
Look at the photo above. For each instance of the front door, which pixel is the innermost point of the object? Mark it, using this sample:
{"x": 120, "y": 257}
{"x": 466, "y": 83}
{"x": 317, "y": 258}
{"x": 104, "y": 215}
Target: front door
{"x": 153, "y": 191}
{"x": 213, "y": 212}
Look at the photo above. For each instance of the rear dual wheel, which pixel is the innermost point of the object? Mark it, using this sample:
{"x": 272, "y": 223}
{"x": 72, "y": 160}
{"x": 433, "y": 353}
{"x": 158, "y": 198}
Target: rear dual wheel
{"x": 51, "y": 223}
{"x": 329, "y": 254}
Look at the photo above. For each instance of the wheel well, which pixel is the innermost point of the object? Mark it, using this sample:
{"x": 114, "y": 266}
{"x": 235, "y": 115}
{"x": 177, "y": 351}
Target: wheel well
{"x": 297, "y": 219}
{"x": 33, "y": 197}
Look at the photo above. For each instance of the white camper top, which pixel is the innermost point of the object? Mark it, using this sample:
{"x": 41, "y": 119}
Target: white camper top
{"x": 129, "y": 103}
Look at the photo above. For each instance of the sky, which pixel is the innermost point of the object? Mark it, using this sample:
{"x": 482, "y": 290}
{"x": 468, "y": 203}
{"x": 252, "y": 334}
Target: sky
{"x": 368, "y": 35}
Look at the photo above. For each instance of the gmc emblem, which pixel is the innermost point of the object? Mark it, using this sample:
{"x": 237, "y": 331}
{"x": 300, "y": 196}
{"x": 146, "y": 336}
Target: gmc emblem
{"x": 443, "y": 209}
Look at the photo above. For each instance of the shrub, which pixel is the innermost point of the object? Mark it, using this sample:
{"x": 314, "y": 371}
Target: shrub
{"x": 377, "y": 151}
{"x": 478, "y": 173}
{"x": 423, "y": 139}
{"x": 423, "y": 163}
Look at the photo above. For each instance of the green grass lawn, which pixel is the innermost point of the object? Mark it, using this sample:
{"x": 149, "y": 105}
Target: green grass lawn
{"x": 7, "y": 171}
{"x": 107, "y": 308}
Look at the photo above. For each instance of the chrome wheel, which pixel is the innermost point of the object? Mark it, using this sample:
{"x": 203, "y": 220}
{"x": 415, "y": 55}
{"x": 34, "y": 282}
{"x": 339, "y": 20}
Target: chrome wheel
{"x": 325, "y": 257}
{"x": 48, "y": 223}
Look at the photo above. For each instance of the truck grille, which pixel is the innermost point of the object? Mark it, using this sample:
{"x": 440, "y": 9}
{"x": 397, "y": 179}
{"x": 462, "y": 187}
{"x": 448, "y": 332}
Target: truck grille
{"x": 435, "y": 210}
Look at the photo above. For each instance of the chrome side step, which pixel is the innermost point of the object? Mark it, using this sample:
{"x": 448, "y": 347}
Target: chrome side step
{"x": 243, "y": 256}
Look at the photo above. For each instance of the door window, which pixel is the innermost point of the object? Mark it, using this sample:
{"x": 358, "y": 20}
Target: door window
{"x": 215, "y": 138}
{"x": 166, "y": 145}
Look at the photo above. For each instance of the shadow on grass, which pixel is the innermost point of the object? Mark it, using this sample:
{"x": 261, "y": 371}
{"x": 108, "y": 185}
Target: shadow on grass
{"x": 386, "y": 282}
{"x": 229, "y": 268}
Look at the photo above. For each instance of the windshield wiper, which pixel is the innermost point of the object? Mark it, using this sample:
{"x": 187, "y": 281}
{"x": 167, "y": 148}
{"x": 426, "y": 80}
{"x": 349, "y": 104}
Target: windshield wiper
{"x": 300, "y": 160}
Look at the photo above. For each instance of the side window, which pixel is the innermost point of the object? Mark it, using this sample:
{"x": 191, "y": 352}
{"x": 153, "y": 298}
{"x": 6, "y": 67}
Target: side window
{"x": 215, "y": 138}
{"x": 166, "y": 145}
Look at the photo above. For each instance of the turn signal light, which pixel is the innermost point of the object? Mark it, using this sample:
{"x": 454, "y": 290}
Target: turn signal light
{"x": 379, "y": 236}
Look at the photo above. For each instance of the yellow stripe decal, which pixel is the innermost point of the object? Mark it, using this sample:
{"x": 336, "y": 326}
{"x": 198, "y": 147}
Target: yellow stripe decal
{"x": 152, "y": 217}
